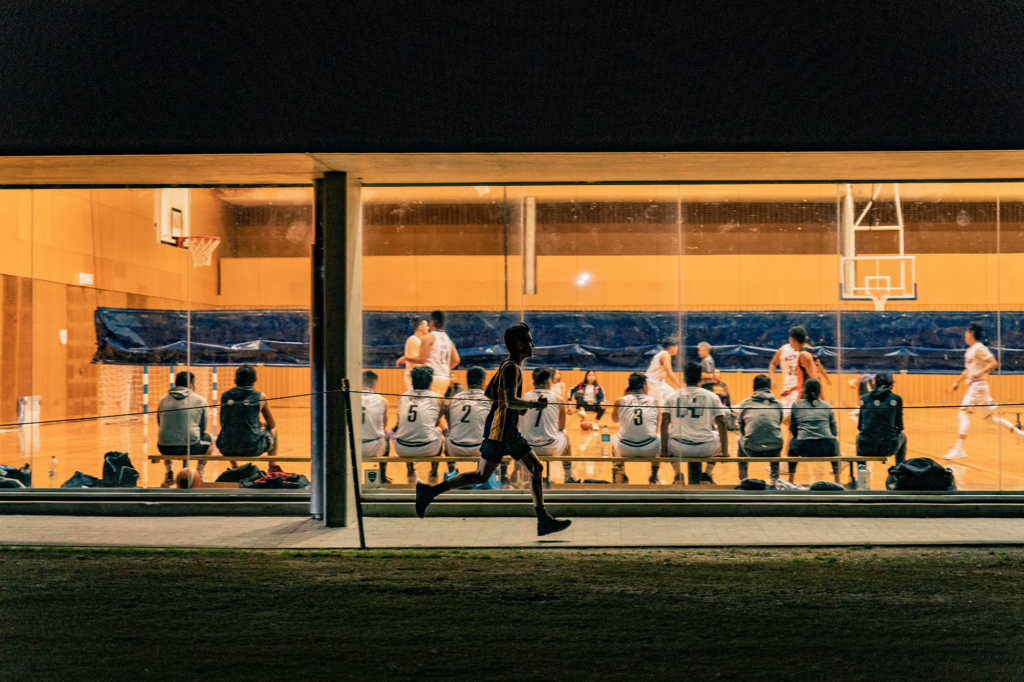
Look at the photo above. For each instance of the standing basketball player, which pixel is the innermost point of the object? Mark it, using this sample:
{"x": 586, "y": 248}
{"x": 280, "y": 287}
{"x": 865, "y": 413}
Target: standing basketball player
{"x": 692, "y": 416}
{"x": 467, "y": 413}
{"x": 661, "y": 380}
{"x": 412, "y": 350}
{"x": 544, "y": 428}
{"x": 503, "y": 438}
{"x": 978, "y": 362}
{"x": 437, "y": 352}
{"x": 797, "y": 366}
{"x": 637, "y": 415}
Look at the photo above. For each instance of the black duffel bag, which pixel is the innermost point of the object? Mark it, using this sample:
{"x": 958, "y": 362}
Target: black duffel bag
{"x": 920, "y": 473}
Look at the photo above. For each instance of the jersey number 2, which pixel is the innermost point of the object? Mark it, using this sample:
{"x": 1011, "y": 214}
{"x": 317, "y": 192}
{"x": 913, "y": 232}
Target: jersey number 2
{"x": 465, "y": 415}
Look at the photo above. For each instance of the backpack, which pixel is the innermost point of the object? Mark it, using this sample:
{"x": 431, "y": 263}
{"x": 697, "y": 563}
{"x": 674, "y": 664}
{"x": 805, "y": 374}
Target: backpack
{"x": 920, "y": 473}
{"x": 10, "y": 483}
{"x": 80, "y": 480}
{"x": 752, "y": 484}
{"x": 827, "y": 485}
{"x": 118, "y": 471}
{"x": 242, "y": 473}
{"x": 24, "y": 474}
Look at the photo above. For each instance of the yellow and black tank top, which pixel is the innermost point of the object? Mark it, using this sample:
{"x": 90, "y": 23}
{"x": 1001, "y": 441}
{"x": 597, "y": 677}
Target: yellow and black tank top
{"x": 502, "y": 422}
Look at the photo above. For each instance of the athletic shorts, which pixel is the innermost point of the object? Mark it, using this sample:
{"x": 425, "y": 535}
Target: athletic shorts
{"x": 977, "y": 395}
{"x": 457, "y": 450}
{"x": 620, "y": 449}
{"x": 711, "y": 448}
{"x": 264, "y": 444}
{"x": 440, "y": 384}
{"x": 514, "y": 446}
{"x": 787, "y": 403}
{"x": 200, "y": 447}
{"x": 659, "y": 392}
{"x": 376, "y": 448}
{"x": 431, "y": 448}
{"x": 555, "y": 449}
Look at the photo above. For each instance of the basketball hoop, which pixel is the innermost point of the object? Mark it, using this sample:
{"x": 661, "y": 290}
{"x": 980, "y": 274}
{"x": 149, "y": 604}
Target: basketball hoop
{"x": 879, "y": 297}
{"x": 201, "y": 248}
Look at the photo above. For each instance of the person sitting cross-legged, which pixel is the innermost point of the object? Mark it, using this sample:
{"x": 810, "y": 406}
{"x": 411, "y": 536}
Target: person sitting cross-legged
{"x": 241, "y": 433}
{"x": 181, "y": 416}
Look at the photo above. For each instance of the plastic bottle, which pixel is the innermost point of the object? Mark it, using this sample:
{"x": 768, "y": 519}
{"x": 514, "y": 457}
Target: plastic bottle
{"x": 53, "y": 472}
{"x": 863, "y": 477}
{"x": 606, "y": 437}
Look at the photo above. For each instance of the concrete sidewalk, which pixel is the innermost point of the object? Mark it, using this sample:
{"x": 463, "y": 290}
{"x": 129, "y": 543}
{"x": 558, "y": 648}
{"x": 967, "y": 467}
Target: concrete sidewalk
{"x": 282, "y": 533}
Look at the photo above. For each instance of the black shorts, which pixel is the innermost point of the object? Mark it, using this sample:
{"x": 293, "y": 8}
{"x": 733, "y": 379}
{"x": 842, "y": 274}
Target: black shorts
{"x": 200, "y": 447}
{"x": 515, "y": 447}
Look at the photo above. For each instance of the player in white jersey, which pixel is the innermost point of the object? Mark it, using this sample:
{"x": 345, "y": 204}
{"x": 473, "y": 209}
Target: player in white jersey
{"x": 417, "y": 433}
{"x": 375, "y": 421}
{"x": 978, "y": 362}
{"x": 412, "y": 350}
{"x": 661, "y": 380}
{"x": 437, "y": 352}
{"x": 544, "y": 429}
{"x": 693, "y": 425}
{"x": 467, "y": 413}
{"x": 637, "y": 415}
{"x": 797, "y": 366}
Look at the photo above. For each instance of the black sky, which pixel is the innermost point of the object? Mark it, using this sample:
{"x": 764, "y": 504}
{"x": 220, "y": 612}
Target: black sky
{"x": 116, "y": 77}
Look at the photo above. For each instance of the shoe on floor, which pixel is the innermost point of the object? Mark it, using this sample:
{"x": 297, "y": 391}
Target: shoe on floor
{"x": 168, "y": 481}
{"x": 432, "y": 479}
{"x": 956, "y": 453}
{"x": 706, "y": 478}
{"x": 678, "y": 479}
{"x": 423, "y": 498}
{"x": 549, "y": 525}
{"x": 653, "y": 480}
{"x": 571, "y": 479}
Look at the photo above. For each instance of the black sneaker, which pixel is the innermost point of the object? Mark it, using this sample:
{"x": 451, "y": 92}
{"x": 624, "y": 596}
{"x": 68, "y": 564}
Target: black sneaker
{"x": 653, "y": 480}
{"x": 423, "y": 498}
{"x": 168, "y": 481}
{"x": 571, "y": 480}
{"x": 706, "y": 478}
{"x": 550, "y": 525}
{"x": 678, "y": 479}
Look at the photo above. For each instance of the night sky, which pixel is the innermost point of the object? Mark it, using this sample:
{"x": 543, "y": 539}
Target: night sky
{"x": 115, "y": 77}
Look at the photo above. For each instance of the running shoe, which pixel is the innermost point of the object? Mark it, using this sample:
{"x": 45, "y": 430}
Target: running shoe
{"x": 706, "y": 478}
{"x": 956, "y": 453}
{"x": 653, "y": 480}
{"x": 168, "y": 481}
{"x": 423, "y": 498}
{"x": 550, "y": 525}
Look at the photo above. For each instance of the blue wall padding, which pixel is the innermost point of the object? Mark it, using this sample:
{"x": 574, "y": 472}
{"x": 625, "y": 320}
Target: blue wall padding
{"x": 916, "y": 341}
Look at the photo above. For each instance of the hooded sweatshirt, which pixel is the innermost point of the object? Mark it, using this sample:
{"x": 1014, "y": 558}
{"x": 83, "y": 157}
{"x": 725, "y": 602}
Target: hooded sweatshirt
{"x": 179, "y": 426}
{"x": 880, "y": 421}
{"x": 761, "y": 422}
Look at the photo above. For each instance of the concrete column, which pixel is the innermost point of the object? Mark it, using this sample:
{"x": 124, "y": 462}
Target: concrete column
{"x": 317, "y": 401}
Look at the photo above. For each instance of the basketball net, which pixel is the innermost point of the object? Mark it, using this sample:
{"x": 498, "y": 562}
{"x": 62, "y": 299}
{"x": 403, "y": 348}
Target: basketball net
{"x": 879, "y": 298}
{"x": 201, "y": 248}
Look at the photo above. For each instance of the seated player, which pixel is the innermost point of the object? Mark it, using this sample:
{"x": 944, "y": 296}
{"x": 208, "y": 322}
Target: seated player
{"x": 864, "y": 383}
{"x": 589, "y": 396}
{"x": 417, "y": 433}
{"x": 637, "y": 415}
{"x": 696, "y": 420}
{"x": 467, "y": 413}
{"x": 181, "y": 416}
{"x": 241, "y": 434}
{"x": 880, "y": 422}
{"x": 813, "y": 425}
{"x": 760, "y": 425}
{"x": 375, "y": 421}
{"x": 707, "y": 365}
{"x": 661, "y": 380}
{"x": 544, "y": 428}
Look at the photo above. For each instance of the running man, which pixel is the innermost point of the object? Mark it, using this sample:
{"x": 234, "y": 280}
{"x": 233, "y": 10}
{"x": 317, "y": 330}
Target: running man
{"x": 503, "y": 438}
{"x": 797, "y": 364}
{"x": 544, "y": 428}
{"x": 692, "y": 416}
{"x": 438, "y": 353}
{"x": 637, "y": 415}
{"x": 661, "y": 380}
{"x": 412, "y": 350}
{"x": 978, "y": 362}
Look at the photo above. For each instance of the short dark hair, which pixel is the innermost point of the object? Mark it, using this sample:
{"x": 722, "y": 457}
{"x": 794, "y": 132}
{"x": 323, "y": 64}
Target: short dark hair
{"x": 437, "y": 317}
{"x": 476, "y": 376}
{"x": 417, "y": 322}
{"x": 883, "y": 379}
{"x": 976, "y": 330}
{"x": 798, "y": 332}
{"x": 245, "y": 375}
{"x": 515, "y": 334}
{"x": 455, "y": 389}
{"x": 184, "y": 378}
{"x": 637, "y": 381}
{"x": 692, "y": 373}
{"x": 762, "y": 382}
{"x": 421, "y": 377}
{"x": 369, "y": 378}
{"x": 541, "y": 375}
{"x": 669, "y": 341}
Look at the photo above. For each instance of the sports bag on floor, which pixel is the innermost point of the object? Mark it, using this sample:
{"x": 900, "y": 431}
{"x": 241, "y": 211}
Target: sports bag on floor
{"x": 920, "y": 473}
{"x": 118, "y": 471}
{"x": 241, "y": 473}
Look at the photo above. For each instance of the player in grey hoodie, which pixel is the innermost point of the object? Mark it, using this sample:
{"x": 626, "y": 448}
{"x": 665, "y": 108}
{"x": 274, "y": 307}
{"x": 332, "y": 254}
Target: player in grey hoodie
{"x": 182, "y": 419}
{"x": 760, "y": 425}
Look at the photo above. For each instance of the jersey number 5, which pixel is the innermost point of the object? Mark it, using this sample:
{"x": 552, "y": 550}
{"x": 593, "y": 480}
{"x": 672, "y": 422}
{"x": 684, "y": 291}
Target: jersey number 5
{"x": 412, "y": 413}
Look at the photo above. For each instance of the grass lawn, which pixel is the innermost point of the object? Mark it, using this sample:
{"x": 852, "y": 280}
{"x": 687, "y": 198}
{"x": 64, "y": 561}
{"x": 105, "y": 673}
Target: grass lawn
{"x": 837, "y": 614}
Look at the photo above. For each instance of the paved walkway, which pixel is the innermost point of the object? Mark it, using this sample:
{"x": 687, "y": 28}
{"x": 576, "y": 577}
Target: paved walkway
{"x": 275, "y": 532}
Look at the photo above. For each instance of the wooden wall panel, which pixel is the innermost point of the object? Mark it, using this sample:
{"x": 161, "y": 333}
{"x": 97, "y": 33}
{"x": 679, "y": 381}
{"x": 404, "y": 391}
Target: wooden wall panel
{"x": 49, "y": 355}
{"x": 81, "y": 375}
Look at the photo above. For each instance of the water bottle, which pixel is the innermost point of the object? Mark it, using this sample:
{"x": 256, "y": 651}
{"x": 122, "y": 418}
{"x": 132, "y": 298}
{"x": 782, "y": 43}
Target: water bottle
{"x": 606, "y": 437}
{"x": 53, "y": 472}
{"x": 863, "y": 477}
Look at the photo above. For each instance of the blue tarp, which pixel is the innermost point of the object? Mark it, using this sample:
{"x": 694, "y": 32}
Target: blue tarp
{"x": 916, "y": 341}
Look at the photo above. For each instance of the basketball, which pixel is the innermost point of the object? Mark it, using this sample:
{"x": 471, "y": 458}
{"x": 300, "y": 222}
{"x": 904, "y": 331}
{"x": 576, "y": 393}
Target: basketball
{"x": 586, "y": 425}
{"x": 188, "y": 478}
